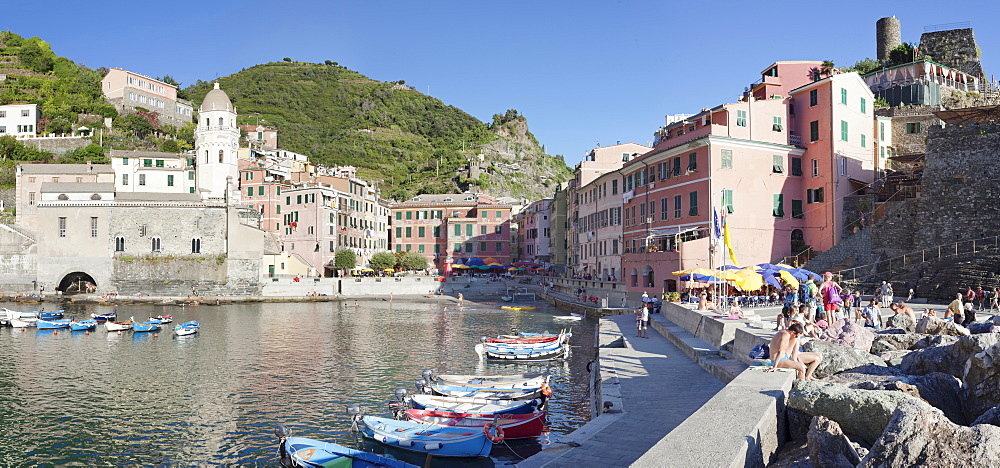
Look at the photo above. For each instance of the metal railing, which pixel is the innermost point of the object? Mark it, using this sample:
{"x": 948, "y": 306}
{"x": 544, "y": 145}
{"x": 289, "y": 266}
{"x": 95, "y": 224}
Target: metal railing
{"x": 923, "y": 255}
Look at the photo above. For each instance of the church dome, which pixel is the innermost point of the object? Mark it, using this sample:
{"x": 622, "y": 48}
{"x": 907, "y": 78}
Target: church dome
{"x": 216, "y": 99}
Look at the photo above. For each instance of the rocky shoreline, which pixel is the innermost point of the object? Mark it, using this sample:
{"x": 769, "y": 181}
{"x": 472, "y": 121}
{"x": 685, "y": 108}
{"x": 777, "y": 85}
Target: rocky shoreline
{"x": 922, "y": 393}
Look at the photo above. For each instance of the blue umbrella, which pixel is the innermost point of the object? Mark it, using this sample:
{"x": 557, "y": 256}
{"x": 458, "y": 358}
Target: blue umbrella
{"x": 811, "y": 274}
{"x": 798, "y": 274}
{"x": 702, "y": 278}
{"x": 730, "y": 267}
{"x": 771, "y": 278}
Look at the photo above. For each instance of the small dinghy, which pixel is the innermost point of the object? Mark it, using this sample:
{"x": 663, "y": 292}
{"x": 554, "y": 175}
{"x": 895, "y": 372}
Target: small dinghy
{"x": 52, "y": 324}
{"x": 119, "y": 326}
{"x": 513, "y": 426}
{"x": 163, "y": 318}
{"x": 152, "y": 325}
{"x": 436, "y": 440}
{"x": 54, "y": 315}
{"x": 82, "y": 325}
{"x": 110, "y": 316}
{"x": 187, "y": 328}
{"x": 475, "y": 405}
{"x": 299, "y": 452}
{"x": 21, "y": 322}
{"x": 486, "y": 381}
{"x": 491, "y": 393}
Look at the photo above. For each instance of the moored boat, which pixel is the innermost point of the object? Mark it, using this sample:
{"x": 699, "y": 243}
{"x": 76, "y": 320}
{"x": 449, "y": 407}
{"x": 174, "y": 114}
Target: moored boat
{"x": 52, "y": 324}
{"x": 436, "y": 440}
{"x": 147, "y": 326}
{"x": 514, "y": 426}
{"x": 308, "y": 453}
{"x": 491, "y": 393}
{"x": 486, "y": 381}
{"x": 20, "y": 323}
{"x": 88, "y": 324}
{"x": 54, "y": 315}
{"x": 104, "y": 317}
{"x": 475, "y": 405}
{"x": 119, "y": 326}
{"x": 187, "y": 328}
{"x": 163, "y": 318}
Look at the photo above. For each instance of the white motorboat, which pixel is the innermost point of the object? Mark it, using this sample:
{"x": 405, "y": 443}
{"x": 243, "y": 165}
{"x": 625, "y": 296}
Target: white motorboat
{"x": 119, "y": 326}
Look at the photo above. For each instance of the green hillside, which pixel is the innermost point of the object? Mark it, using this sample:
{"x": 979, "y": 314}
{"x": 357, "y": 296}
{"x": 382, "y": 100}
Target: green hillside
{"x": 412, "y": 142}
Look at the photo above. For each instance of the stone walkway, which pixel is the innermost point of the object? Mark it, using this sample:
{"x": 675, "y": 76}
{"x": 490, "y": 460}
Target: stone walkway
{"x": 660, "y": 387}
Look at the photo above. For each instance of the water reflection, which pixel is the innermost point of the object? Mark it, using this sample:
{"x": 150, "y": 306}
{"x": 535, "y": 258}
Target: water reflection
{"x": 214, "y": 397}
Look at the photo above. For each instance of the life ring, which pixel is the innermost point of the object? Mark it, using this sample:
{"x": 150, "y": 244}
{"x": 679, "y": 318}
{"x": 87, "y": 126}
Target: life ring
{"x": 495, "y": 436}
{"x": 546, "y": 389}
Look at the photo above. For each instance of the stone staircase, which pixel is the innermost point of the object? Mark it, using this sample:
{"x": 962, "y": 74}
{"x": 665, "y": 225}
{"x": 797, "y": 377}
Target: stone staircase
{"x": 853, "y": 251}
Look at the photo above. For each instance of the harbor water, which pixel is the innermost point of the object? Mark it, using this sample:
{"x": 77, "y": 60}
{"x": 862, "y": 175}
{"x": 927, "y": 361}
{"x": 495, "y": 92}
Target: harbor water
{"x": 214, "y": 398}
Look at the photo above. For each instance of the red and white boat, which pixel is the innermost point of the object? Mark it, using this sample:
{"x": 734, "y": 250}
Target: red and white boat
{"x": 514, "y": 426}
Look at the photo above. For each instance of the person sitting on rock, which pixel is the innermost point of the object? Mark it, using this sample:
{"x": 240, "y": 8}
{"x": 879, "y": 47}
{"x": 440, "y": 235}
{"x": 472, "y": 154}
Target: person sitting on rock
{"x": 970, "y": 315}
{"x": 902, "y": 309}
{"x": 873, "y": 315}
{"x": 735, "y": 312}
{"x": 785, "y": 353}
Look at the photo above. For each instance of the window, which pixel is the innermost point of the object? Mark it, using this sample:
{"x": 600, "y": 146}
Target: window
{"x": 796, "y": 208}
{"x": 813, "y": 98}
{"x": 437, "y": 248}
{"x": 420, "y": 248}
{"x": 124, "y": 179}
{"x": 409, "y": 247}
{"x": 499, "y": 214}
{"x": 409, "y": 215}
{"x": 170, "y": 182}
{"x": 741, "y": 118}
{"x": 458, "y": 247}
{"x": 147, "y": 163}
{"x": 499, "y": 228}
{"x": 190, "y": 175}
{"x": 693, "y": 208}
{"x": 864, "y": 106}
{"x": 159, "y": 163}
{"x": 154, "y": 244}
{"x": 913, "y": 127}
{"x": 399, "y": 248}
{"x": 677, "y": 166}
{"x": 778, "y": 167}
{"x": 458, "y": 230}
{"x": 499, "y": 247}
{"x": 843, "y": 96}
{"x": 437, "y": 231}
{"x": 814, "y": 130}
{"x": 614, "y": 187}
{"x": 843, "y": 166}
{"x": 677, "y": 206}
{"x": 399, "y": 232}
{"x": 482, "y": 246}
{"x": 142, "y": 179}
{"x": 468, "y": 230}
{"x": 421, "y": 231}
{"x": 221, "y": 153}
{"x": 815, "y": 167}
{"x": 260, "y": 190}
{"x": 25, "y": 113}
{"x": 864, "y": 142}
{"x": 119, "y": 244}
{"x": 776, "y": 124}
{"x": 482, "y": 229}
{"x": 93, "y": 227}
{"x": 843, "y": 130}
{"x": 727, "y": 201}
{"x": 484, "y": 214}
{"x": 249, "y": 176}
{"x": 692, "y": 162}
{"x": 409, "y": 231}
{"x": 124, "y": 161}
{"x": 727, "y": 159}
{"x": 399, "y": 215}
{"x": 814, "y": 195}
{"x": 778, "y": 209}
{"x": 881, "y": 131}
{"x": 468, "y": 247}
{"x": 796, "y": 166}
{"x": 196, "y": 245}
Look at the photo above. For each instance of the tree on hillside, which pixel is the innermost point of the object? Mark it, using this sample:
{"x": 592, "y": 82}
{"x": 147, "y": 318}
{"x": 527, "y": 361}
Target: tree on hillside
{"x": 345, "y": 259}
{"x": 36, "y": 57}
{"x": 864, "y": 67}
{"x": 382, "y": 261}
{"x": 92, "y": 153}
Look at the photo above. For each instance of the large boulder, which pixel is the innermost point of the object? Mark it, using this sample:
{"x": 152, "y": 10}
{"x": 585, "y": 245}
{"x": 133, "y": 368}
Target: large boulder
{"x": 983, "y": 327}
{"x": 990, "y": 417}
{"x": 848, "y": 333}
{"x": 936, "y": 326}
{"x": 863, "y": 413}
{"x": 902, "y": 321}
{"x": 838, "y": 357}
{"x": 918, "y": 435}
{"x": 995, "y": 319}
{"x": 940, "y": 390}
{"x": 981, "y": 377}
{"x": 893, "y": 358}
{"x": 865, "y": 373}
{"x": 829, "y": 447}
{"x": 897, "y": 340}
{"x": 929, "y": 341}
{"x": 947, "y": 358}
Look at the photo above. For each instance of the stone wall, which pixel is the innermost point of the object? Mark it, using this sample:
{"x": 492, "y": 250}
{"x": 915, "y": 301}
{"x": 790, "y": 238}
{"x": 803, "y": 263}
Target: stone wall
{"x": 902, "y": 141}
{"x": 896, "y": 232}
{"x": 961, "y": 183}
{"x": 955, "y": 48}
{"x": 57, "y": 146}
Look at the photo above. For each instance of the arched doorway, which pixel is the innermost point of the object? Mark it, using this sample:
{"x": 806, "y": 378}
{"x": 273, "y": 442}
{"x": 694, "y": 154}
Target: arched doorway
{"x": 647, "y": 273}
{"x": 635, "y": 278}
{"x": 77, "y": 282}
{"x": 798, "y": 242}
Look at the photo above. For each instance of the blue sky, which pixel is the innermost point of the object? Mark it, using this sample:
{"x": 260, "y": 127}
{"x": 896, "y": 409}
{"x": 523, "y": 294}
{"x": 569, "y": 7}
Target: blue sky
{"x": 582, "y": 72}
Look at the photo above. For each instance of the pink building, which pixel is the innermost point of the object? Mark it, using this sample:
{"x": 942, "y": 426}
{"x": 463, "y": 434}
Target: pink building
{"x": 261, "y": 137}
{"x": 534, "y": 233}
{"x": 128, "y": 90}
{"x": 453, "y": 229}
{"x": 777, "y": 167}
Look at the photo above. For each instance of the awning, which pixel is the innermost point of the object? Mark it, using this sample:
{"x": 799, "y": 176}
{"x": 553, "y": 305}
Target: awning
{"x": 674, "y": 231}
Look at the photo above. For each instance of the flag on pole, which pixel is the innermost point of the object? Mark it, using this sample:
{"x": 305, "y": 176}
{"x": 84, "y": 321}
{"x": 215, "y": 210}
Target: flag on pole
{"x": 728, "y": 241}
{"x": 717, "y": 231}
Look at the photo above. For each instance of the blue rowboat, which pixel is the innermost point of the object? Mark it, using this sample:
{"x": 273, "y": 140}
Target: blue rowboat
{"x": 110, "y": 316}
{"x": 88, "y": 324}
{"x": 187, "y": 328}
{"x": 54, "y": 315}
{"x": 475, "y": 405}
{"x": 147, "y": 326}
{"x": 52, "y": 324}
{"x": 522, "y": 354}
{"x": 493, "y": 393}
{"x": 309, "y": 453}
{"x": 439, "y": 441}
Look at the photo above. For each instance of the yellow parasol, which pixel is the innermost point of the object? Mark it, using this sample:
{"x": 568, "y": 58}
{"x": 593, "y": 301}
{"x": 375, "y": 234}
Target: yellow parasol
{"x": 746, "y": 279}
{"x": 699, "y": 271}
{"x": 789, "y": 279}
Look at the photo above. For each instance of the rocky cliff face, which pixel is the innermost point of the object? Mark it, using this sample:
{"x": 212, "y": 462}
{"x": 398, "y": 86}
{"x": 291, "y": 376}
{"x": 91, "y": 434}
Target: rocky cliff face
{"x": 955, "y": 48}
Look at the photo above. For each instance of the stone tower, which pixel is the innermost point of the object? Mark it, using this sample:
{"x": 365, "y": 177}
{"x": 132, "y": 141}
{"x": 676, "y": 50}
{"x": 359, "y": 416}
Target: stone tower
{"x": 888, "y": 35}
{"x": 955, "y": 48}
{"x": 215, "y": 140}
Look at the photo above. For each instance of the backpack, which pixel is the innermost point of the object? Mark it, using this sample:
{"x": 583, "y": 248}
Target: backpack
{"x": 761, "y": 351}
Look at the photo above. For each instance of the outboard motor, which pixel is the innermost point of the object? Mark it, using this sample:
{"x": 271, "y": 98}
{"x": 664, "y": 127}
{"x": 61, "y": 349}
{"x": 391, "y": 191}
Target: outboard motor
{"x": 354, "y": 411}
{"x": 422, "y": 387}
{"x": 283, "y": 433}
{"x": 428, "y": 375}
{"x": 482, "y": 339}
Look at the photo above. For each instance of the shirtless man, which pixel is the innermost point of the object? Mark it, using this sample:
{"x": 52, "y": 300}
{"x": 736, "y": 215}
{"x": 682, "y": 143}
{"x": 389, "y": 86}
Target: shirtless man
{"x": 785, "y": 353}
{"x": 901, "y": 308}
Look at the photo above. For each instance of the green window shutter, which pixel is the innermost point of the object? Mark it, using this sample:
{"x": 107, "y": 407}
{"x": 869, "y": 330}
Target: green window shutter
{"x": 796, "y": 166}
{"x": 482, "y": 246}
{"x": 191, "y": 190}
{"x": 420, "y": 248}
{"x": 727, "y": 201}
{"x": 727, "y": 159}
{"x": 298, "y": 199}
{"x": 409, "y": 231}
{"x": 741, "y": 118}
{"x": 409, "y": 215}
{"x": 796, "y": 208}
{"x": 843, "y": 96}
{"x": 482, "y": 229}
{"x": 843, "y": 130}
{"x": 881, "y": 131}
{"x": 779, "y": 164}
{"x": 484, "y": 214}
{"x": 776, "y": 124}
{"x": 260, "y": 190}
{"x": 277, "y": 208}
{"x": 190, "y": 175}
{"x": 421, "y": 232}
{"x": 863, "y": 143}
{"x": 779, "y": 206}
{"x": 814, "y": 130}
{"x": 437, "y": 248}
{"x": 399, "y": 215}
{"x": 813, "y": 98}
{"x": 458, "y": 247}
{"x": 864, "y": 106}
{"x": 468, "y": 230}
{"x": 458, "y": 232}
{"x": 693, "y": 207}
{"x": 249, "y": 191}
{"x": 499, "y": 246}
{"x": 437, "y": 231}
{"x": 399, "y": 247}
{"x": 399, "y": 232}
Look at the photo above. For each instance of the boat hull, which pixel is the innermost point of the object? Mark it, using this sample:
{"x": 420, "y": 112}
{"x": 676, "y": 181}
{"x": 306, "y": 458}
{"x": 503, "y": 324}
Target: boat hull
{"x": 515, "y": 426}
{"x": 52, "y": 324}
{"x": 484, "y": 392}
{"x": 104, "y": 317}
{"x": 527, "y": 354}
{"x": 83, "y": 325}
{"x": 150, "y": 326}
{"x": 475, "y": 405}
{"x": 439, "y": 441}
{"x": 309, "y": 453}
{"x": 187, "y": 328}
{"x": 118, "y": 326}
{"x": 492, "y": 381}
